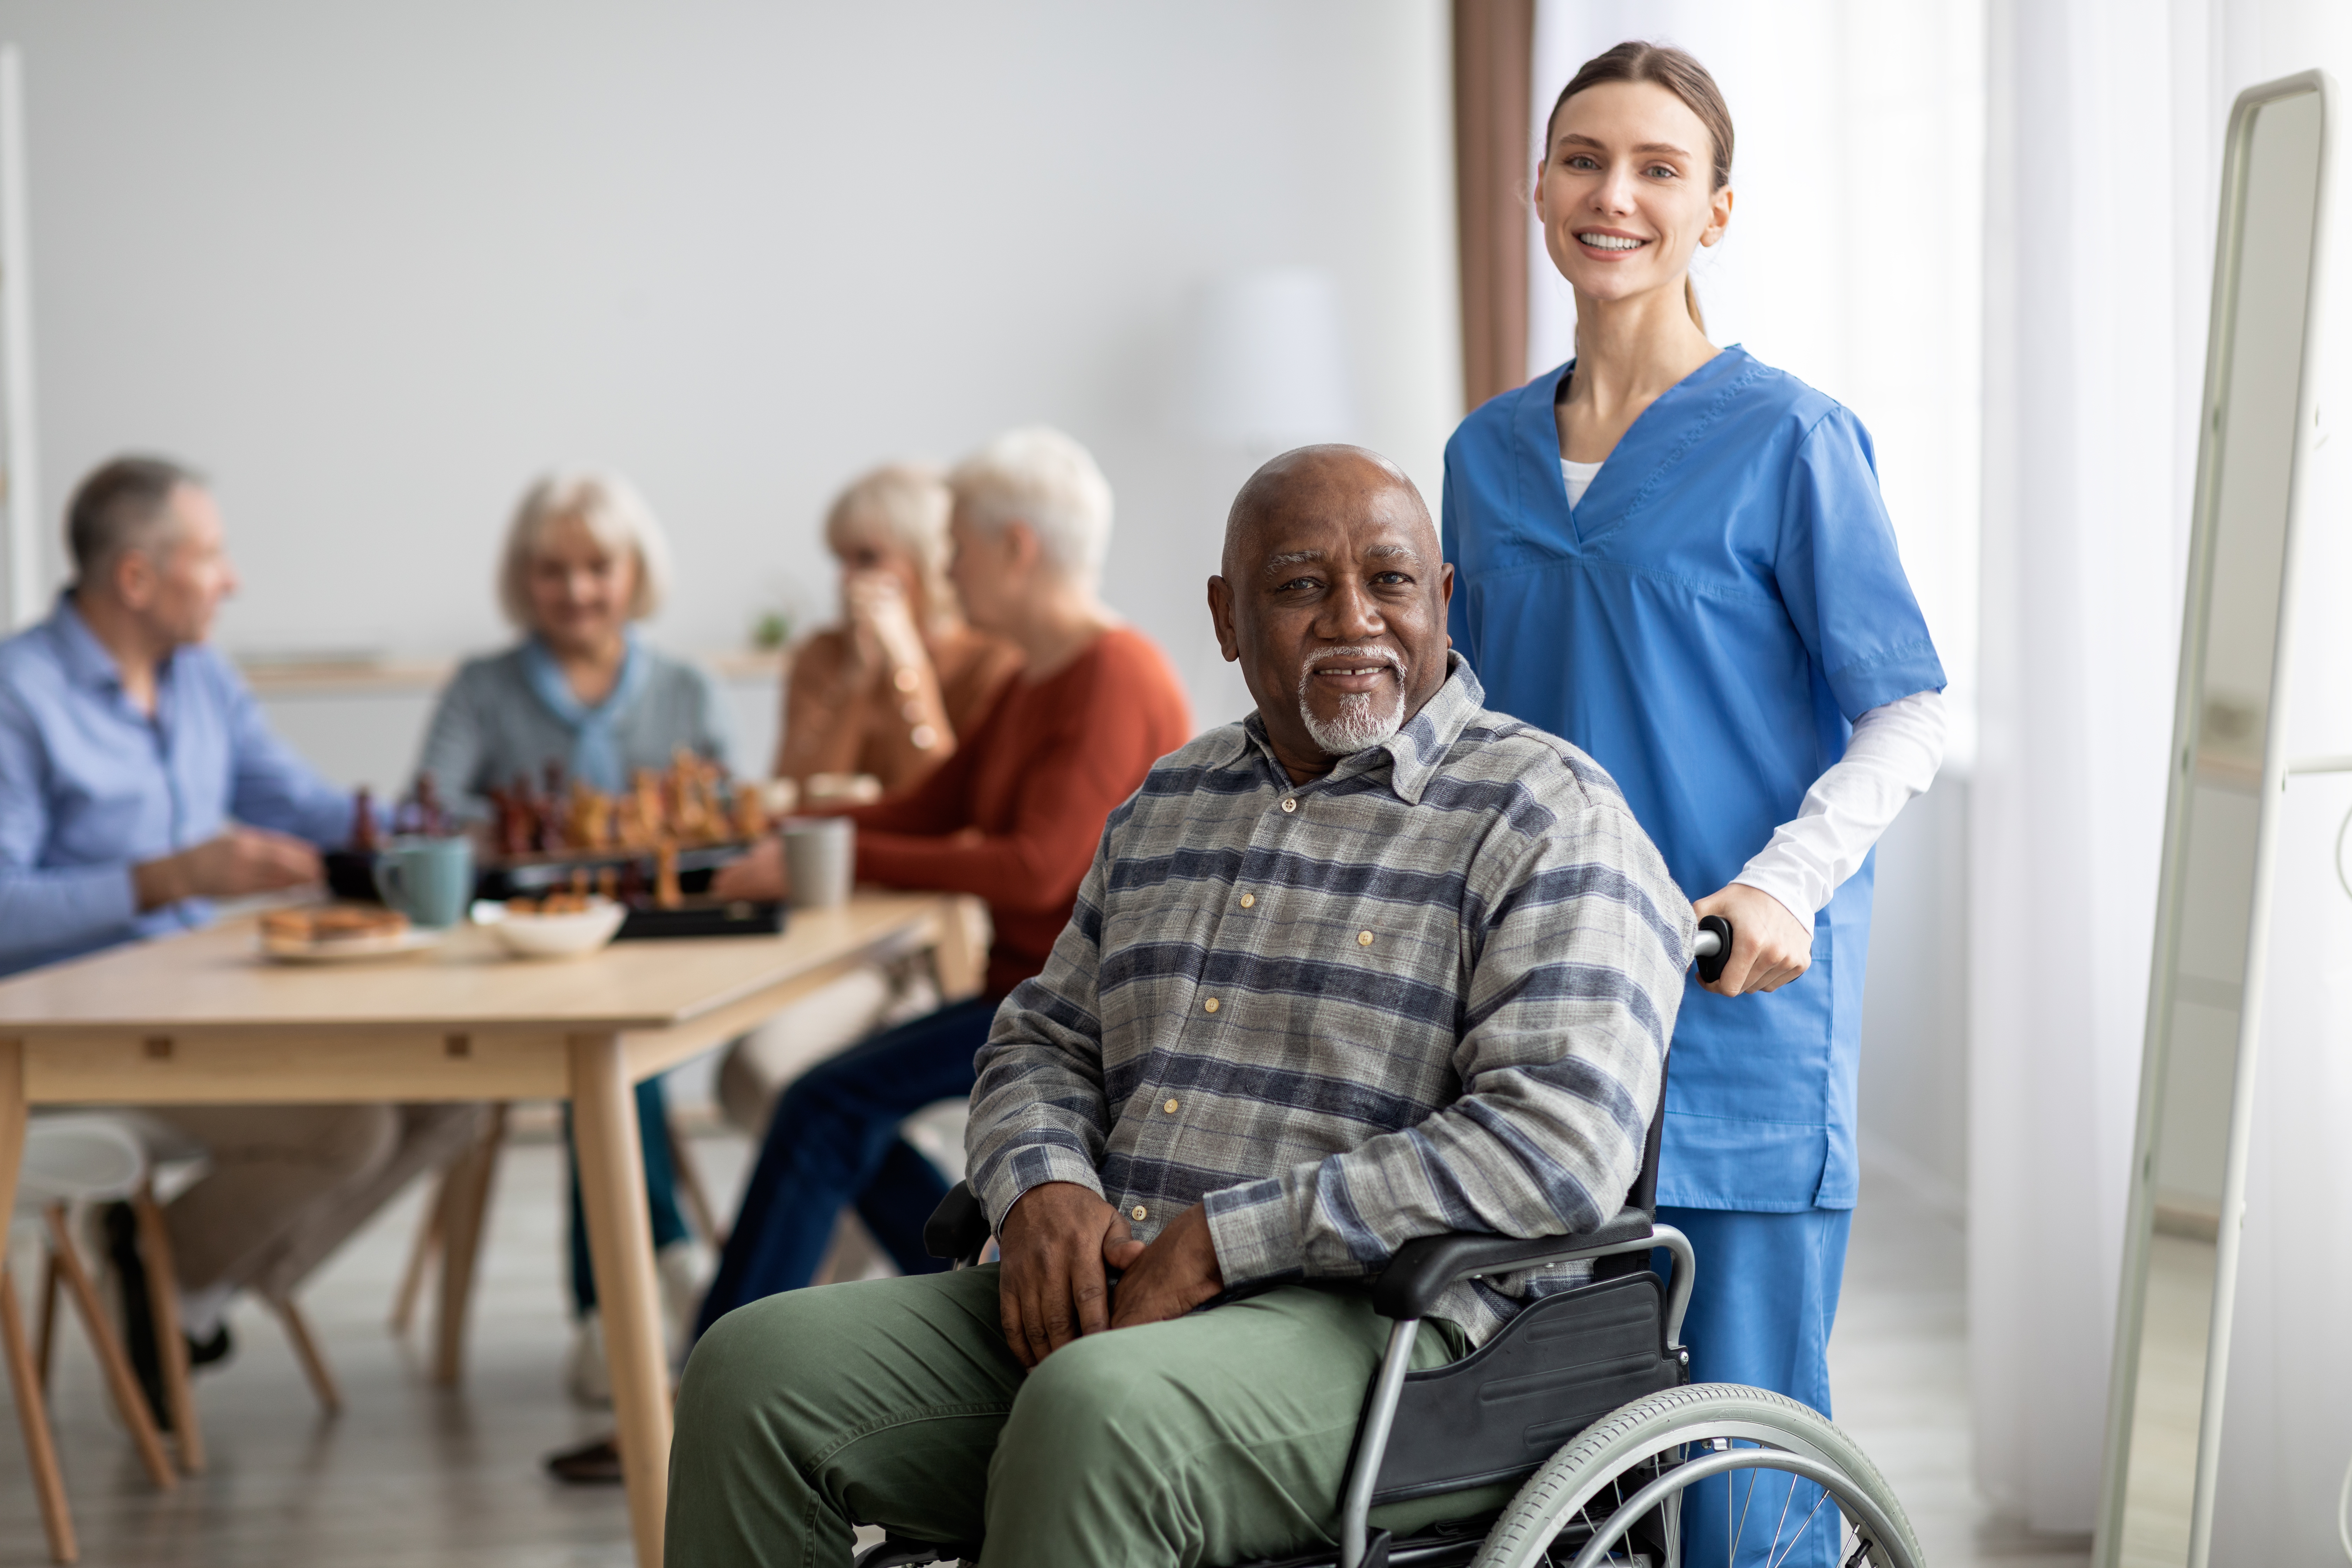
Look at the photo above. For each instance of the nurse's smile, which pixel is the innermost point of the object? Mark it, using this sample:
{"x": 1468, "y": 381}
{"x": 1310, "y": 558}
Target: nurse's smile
{"x": 1607, "y": 242}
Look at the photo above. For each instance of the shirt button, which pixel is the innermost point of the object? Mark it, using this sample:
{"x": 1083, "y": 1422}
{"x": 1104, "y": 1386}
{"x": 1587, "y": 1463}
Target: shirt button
{"x": 1135, "y": 1213}
{"x": 1248, "y": 899}
{"x": 1210, "y": 1005}
{"x": 1170, "y": 1107}
{"x": 1290, "y": 803}
{"x": 924, "y": 737}
{"x": 906, "y": 680}
{"x": 1363, "y": 939}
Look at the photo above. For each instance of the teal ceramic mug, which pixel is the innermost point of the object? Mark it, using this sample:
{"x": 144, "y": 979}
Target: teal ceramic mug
{"x": 430, "y": 880}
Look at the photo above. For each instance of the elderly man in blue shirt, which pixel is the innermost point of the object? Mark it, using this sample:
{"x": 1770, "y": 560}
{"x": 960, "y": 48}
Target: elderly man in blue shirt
{"x": 1371, "y": 964}
{"x": 138, "y": 782}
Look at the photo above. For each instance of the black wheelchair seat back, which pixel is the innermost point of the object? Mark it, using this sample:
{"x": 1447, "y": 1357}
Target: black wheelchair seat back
{"x": 1554, "y": 1369}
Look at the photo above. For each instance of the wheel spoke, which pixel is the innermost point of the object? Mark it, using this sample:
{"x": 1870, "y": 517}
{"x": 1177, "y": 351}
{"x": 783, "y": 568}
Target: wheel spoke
{"x": 1785, "y": 1504}
{"x": 1802, "y": 1528}
{"x": 1733, "y": 1537}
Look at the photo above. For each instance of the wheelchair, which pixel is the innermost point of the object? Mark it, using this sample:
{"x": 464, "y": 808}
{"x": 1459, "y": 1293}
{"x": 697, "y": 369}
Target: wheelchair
{"x": 1584, "y": 1396}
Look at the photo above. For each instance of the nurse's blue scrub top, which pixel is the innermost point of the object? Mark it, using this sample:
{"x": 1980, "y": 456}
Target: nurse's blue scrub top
{"x": 1707, "y": 622}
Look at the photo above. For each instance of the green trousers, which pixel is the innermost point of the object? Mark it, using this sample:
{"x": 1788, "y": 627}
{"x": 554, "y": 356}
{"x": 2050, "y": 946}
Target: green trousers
{"x": 1213, "y": 1440}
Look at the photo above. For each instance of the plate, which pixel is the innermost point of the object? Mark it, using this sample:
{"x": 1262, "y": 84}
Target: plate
{"x": 400, "y": 944}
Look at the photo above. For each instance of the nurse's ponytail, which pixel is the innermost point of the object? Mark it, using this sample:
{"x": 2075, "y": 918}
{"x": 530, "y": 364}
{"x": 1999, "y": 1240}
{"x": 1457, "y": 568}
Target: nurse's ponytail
{"x": 1679, "y": 74}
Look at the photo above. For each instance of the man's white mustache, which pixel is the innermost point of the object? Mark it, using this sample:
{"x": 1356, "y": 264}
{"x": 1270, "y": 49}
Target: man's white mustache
{"x": 1327, "y": 657}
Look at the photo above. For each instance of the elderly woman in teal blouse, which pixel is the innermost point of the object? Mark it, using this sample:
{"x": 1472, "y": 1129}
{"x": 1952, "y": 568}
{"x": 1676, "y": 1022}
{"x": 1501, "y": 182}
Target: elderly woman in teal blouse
{"x": 584, "y": 561}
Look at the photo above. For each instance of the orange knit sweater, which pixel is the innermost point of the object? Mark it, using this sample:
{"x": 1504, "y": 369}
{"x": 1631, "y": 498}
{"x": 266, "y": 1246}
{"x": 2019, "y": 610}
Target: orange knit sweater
{"x": 1015, "y": 816}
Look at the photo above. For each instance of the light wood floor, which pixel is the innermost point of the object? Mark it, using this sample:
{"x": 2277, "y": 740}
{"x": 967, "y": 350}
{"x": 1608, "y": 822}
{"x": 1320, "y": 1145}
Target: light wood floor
{"x": 410, "y": 1475}
{"x": 1899, "y": 1375}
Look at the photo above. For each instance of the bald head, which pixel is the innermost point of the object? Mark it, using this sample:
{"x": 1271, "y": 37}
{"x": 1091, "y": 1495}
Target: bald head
{"x": 1309, "y": 481}
{"x": 1332, "y": 600}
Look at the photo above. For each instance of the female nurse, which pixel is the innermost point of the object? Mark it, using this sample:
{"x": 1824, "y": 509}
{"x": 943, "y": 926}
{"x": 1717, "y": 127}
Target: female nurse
{"x": 1676, "y": 557}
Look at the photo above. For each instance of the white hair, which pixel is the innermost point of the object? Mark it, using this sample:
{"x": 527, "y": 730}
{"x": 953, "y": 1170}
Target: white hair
{"x": 1038, "y": 476}
{"x": 615, "y": 516}
{"x": 904, "y": 506}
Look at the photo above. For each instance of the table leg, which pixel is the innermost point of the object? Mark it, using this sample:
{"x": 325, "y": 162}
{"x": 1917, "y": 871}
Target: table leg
{"x": 621, "y": 1251}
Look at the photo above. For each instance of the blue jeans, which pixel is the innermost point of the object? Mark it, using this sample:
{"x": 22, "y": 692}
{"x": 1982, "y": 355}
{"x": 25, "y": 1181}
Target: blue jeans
{"x": 661, "y": 1189}
{"x": 1760, "y": 1311}
{"x": 834, "y": 1141}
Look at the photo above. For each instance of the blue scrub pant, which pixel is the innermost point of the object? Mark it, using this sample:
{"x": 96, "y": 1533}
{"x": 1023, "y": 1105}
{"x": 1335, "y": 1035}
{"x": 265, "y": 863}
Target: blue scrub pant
{"x": 833, "y": 1141}
{"x": 1760, "y": 1311}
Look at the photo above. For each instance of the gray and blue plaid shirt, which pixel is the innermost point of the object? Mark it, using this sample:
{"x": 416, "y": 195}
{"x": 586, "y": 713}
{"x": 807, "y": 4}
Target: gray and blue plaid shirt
{"x": 1431, "y": 990}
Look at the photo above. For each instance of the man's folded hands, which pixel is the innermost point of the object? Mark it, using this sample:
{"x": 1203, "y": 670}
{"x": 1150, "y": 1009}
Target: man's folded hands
{"x": 1060, "y": 1242}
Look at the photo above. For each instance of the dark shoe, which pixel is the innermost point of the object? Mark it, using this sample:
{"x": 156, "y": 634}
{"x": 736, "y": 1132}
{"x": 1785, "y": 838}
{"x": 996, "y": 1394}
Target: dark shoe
{"x": 137, "y": 1315}
{"x": 219, "y": 1348}
{"x": 592, "y": 1464}
{"x": 138, "y": 1341}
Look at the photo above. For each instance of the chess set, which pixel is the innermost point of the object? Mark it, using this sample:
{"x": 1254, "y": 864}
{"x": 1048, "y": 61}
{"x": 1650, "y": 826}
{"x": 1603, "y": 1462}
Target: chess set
{"x": 653, "y": 848}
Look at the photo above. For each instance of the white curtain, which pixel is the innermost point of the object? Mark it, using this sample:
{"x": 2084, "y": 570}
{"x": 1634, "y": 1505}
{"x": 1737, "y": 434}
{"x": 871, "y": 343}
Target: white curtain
{"x": 2102, "y": 183}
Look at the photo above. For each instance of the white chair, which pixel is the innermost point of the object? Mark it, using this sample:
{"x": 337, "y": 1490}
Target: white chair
{"x": 71, "y": 1160}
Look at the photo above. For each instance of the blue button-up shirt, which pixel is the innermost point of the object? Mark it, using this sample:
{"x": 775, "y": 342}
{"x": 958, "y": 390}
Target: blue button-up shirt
{"x": 91, "y": 786}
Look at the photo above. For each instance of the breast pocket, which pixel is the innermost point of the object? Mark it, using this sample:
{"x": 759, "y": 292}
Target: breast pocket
{"x": 1370, "y": 986}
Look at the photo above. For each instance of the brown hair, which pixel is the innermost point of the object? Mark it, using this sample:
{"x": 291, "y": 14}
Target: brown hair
{"x": 1679, "y": 74}
{"x": 120, "y": 506}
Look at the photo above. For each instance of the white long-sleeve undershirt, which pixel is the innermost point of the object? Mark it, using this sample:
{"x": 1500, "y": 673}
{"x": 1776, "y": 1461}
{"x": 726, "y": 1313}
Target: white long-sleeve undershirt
{"x": 1893, "y": 755}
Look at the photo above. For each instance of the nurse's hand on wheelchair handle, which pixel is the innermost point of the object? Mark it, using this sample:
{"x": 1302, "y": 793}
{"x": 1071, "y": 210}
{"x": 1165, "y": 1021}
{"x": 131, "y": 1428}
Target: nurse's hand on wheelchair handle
{"x": 1175, "y": 1274}
{"x": 1769, "y": 947}
{"x": 1052, "y": 1287}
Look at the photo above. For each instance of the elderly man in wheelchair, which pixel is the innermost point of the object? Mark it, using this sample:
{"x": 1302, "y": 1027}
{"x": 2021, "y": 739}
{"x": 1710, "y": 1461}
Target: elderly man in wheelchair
{"x": 1318, "y": 1158}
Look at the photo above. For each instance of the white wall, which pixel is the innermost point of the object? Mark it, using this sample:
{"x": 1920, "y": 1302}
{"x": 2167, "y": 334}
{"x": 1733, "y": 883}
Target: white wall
{"x": 374, "y": 266}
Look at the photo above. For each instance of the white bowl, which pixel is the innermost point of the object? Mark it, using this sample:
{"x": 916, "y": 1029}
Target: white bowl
{"x": 559, "y": 936}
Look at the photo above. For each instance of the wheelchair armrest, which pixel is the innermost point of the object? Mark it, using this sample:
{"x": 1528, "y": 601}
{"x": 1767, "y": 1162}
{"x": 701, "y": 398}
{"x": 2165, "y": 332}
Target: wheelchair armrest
{"x": 1423, "y": 1269}
{"x": 958, "y": 1228}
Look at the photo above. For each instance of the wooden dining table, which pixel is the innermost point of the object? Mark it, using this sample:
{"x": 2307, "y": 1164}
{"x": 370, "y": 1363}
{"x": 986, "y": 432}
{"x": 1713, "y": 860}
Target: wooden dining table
{"x": 204, "y": 1018}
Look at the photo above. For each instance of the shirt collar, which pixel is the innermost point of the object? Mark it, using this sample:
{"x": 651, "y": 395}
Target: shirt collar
{"x": 85, "y": 657}
{"x": 1412, "y": 755}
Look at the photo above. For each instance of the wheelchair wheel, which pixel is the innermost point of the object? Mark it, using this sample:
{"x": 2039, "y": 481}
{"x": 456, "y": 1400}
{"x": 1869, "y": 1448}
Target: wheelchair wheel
{"x": 1624, "y": 1475}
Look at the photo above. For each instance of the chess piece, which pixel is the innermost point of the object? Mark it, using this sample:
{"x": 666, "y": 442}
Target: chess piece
{"x": 751, "y": 813}
{"x": 666, "y": 890}
{"x": 363, "y": 833}
{"x": 432, "y": 819}
{"x": 588, "y": 820}
{"x": 653, "y": 811}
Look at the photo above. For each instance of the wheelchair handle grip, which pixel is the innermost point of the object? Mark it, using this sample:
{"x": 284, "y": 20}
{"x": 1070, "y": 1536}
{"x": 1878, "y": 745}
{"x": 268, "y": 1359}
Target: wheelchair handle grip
{"x": 1711, "y": 947}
